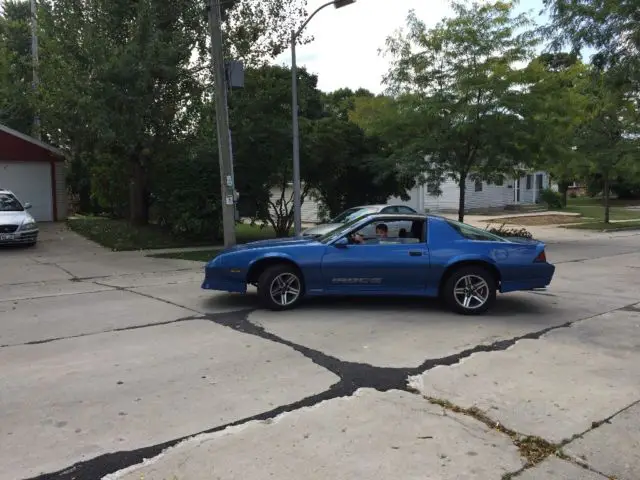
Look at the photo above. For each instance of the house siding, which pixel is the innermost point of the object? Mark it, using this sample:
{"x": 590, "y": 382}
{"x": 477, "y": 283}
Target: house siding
{"x": 491, "y": 197}
{"x": 309, "y": 210}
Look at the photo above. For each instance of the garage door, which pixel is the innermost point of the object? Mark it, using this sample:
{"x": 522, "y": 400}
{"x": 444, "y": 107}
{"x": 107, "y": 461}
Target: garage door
{"x": 31, "y": 182}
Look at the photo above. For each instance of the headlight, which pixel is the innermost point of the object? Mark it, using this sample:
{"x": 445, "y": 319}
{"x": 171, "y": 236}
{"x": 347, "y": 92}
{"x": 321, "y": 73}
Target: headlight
{"x": 28, "y": 226}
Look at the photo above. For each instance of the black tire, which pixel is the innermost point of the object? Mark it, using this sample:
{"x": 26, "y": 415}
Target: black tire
{"x": 266, "y": 286}
{"x": 478, "y": 275}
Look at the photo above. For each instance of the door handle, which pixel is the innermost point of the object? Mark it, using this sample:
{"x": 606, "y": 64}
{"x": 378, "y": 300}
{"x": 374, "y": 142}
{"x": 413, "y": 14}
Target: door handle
{"x": 415, "y": 253}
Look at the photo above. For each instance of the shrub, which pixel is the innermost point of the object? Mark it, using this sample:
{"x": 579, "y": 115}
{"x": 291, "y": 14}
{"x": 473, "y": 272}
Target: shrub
{"x": 551, "y": 198}
{"x": 187, "y": 197}
{"x": 510, "y": 232}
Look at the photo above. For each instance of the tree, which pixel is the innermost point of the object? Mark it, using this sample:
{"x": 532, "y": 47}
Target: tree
{"x": 347, "y": 167}
{"x": 459, "y": 92}
{"x": 555, "y": 107}
{"x": 122, "y": 86}
{"x": 608, "y": 138}
{"x": 609, "y": 27}
{"x": 261, "y": 132}
{"x": 16, "y": 73}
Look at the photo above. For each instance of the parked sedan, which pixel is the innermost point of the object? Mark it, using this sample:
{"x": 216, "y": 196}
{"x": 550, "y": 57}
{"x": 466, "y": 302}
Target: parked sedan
{"x": 352, "y": 214}
{"x": 429, "y": 256}
{"x": 17, "y": 226}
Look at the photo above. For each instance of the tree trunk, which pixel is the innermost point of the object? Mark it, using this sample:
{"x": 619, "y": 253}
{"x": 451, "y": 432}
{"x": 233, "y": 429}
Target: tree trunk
{"x": 606, "y": 197}
{"x": 463, "y": 190}
{"x": 138, "y": 204}
{"x": 563, "y": 186}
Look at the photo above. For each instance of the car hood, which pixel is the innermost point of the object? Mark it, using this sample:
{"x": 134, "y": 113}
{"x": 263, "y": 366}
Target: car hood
{"x": 320, "y": 229}
{"x": 14, "y": 218}
{"x": 275, "y": 242}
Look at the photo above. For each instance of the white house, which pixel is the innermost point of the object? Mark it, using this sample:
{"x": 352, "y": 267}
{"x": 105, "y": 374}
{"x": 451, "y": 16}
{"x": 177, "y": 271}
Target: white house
{"x": 479, "y": 196}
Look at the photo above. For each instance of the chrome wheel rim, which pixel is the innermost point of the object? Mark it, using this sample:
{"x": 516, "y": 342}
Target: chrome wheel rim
{"x": 285, "y": 289}
{"x": 471, "y": 292}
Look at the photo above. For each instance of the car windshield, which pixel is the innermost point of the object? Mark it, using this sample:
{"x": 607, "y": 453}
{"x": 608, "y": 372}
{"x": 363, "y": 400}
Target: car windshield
{"x": 353, "y": 214}
{"x": 9, "y": 203}
{"x": 473, "y": 233}
{"x": 344, "y": 227}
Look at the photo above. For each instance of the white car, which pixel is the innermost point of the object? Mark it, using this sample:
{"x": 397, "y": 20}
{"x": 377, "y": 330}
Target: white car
{"x": 353, "y": 213}
{"x": 17, "y": 226}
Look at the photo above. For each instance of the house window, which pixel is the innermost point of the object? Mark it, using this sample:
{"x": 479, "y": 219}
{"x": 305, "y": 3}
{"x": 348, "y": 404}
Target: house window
{"x": 539, "y": 180}
{"x": 529, "y": 182}
{"x": 478, "y": 186}
{"x": 499, "y": 181}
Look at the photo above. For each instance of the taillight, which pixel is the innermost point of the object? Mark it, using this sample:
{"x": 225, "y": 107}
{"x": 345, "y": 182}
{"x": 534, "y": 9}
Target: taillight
{"x": 542, "y": 257}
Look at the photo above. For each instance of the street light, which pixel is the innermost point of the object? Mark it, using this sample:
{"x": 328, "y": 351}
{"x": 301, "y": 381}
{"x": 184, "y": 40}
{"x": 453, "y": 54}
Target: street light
{"x": 297, "y": 220}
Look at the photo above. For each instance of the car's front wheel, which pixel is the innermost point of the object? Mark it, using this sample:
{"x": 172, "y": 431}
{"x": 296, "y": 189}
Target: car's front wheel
{"x": 280, "y": 287}
{"x": 470, "y": 290}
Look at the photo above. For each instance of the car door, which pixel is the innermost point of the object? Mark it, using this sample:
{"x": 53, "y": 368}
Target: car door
{"x": 394, "y": 265}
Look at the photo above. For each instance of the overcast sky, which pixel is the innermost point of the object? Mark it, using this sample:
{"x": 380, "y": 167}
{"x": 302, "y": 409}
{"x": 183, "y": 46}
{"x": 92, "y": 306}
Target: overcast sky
{"x": 345, "y": 50}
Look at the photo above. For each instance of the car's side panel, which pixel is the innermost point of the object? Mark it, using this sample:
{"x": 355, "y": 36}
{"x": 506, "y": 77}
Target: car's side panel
{"x": 514, "y": 261}
{"x": 390, "y": 268}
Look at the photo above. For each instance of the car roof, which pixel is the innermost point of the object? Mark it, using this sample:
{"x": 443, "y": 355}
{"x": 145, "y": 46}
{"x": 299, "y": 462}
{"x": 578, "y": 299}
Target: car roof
{"x": 383, "y": 205}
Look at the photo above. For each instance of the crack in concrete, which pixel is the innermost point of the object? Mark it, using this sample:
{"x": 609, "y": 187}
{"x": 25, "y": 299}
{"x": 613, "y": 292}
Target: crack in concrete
{"x": 146, "y": 295}
{"x": 113, "y": 330}
{"x": 353, "y": 376}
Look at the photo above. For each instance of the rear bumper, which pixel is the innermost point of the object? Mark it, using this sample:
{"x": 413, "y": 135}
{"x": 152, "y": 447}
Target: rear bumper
{"x": 218, "y": 279}
{"x": 19, "y": 238}
{"x": 539, "y": 277}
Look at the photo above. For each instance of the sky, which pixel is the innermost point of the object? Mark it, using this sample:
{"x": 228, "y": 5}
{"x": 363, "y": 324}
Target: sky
{"x": 345, "y": 50}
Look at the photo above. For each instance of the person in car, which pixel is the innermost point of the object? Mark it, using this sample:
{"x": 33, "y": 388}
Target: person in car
{"x": 382, "y": 231}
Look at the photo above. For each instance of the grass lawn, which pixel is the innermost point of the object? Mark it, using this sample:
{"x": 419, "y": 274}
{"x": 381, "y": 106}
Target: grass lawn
{"x": 197, "y": 256}
{"x": 591, "y": 208}
{"x": 119, "y": 235}
{"x": 601, "y": 226}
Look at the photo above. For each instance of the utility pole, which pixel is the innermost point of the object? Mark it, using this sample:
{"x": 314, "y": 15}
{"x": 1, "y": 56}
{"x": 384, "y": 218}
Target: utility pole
{"x": 297, "y": 203}
{"x": 222, "y": 123}
{"x": 34, "y": 59}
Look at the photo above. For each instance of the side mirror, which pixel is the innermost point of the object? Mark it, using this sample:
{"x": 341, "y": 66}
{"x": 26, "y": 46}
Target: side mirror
{"x": 27, "y": 205}
{"x": 341, "y": 243}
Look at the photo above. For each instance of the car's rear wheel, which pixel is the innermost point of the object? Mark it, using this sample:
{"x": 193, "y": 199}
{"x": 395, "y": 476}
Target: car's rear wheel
{"x": 280, "y": 287}
{"x": 470, "y": 290}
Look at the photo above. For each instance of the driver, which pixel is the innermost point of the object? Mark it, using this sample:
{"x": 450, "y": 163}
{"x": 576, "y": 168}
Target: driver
{"x": 382, "y": 231}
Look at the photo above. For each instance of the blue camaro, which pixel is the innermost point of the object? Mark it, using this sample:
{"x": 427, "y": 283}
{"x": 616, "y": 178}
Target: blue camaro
{"x": 385, "y": 254}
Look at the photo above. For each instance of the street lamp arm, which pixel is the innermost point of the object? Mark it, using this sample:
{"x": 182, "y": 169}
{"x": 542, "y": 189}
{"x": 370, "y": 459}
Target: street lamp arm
{"x": 299, "y": 31}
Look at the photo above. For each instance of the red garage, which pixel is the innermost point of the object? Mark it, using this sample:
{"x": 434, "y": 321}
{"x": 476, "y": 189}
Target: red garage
{"x": 35, "y": 172}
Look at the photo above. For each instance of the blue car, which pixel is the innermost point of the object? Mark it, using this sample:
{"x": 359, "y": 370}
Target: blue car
{"x": 385, "y": 254}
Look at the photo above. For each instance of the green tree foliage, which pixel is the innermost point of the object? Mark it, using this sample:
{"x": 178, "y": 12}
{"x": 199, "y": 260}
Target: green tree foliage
{"x": 262, "y": 141}
{"x": 16, "y": 73}
{"x": 609, "y": 27}
{"x": 608, "y": 138}
{"x": 555, "y": 107}
{"x": 457, "y": 90}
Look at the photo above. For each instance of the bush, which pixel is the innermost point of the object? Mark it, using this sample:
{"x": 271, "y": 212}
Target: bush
{"x": 186, "y": 197}
{"x": 551, "y": 198}
{"x": 511, "y": 232}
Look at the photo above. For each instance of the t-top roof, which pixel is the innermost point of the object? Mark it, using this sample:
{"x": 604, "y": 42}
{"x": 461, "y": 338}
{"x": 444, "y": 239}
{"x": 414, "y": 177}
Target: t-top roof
{"x": 27, "y": 138}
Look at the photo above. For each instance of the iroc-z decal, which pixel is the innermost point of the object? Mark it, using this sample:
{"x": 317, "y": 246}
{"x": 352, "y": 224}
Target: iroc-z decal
{"x": 357, "y": 281}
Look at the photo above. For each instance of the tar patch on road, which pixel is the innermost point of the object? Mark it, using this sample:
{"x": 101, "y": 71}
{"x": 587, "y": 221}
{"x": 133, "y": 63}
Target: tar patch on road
{"x": 353, "y": 376}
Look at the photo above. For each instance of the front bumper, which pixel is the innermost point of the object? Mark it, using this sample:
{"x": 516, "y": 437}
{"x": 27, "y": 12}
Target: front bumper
{"x": 19, "y": 238}
{"x": 225, "y": 280}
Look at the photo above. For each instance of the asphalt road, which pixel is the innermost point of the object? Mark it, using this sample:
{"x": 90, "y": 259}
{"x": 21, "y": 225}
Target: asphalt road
{"x": 108, "y": 359}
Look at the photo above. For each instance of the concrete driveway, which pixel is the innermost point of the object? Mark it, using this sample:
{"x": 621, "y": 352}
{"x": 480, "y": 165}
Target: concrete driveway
{"x": 118, "y": 365}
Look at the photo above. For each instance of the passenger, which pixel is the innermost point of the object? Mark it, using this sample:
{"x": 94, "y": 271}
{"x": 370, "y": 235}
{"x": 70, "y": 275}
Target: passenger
{"x": 382, "y": 231}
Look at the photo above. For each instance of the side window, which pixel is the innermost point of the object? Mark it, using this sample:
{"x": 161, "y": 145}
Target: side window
{"x": 391, "y": 232}
{"x": 405, "y": 210}
{"x": 389, "y": 210}
{"x": 473, "y": 233}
